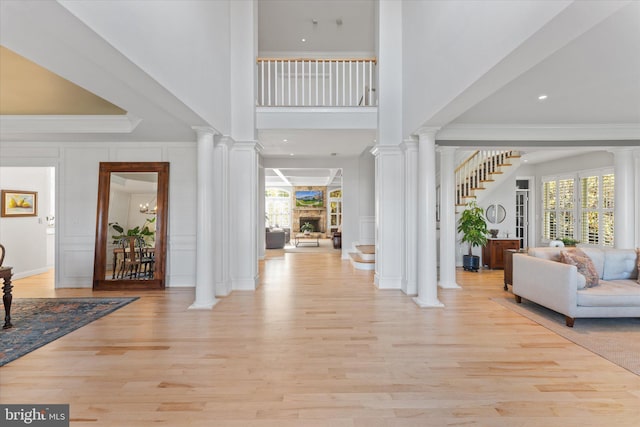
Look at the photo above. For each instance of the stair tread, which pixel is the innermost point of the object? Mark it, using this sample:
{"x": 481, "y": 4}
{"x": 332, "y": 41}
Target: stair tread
{"x": 357, "y": 258}
{"x": 366, "y": 249}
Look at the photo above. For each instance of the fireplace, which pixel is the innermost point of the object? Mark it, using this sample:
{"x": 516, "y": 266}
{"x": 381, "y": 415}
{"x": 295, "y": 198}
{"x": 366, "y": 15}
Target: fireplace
{"x": 314, "y": 221}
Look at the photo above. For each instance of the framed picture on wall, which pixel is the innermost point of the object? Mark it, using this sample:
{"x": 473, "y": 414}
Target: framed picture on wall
{"x": 19, "y": 203}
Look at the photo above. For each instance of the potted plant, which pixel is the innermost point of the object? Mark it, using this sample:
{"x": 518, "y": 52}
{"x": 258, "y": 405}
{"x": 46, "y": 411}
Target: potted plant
{"x": 568, "y": 241}
{"x": 306, "y": 228}
{"x": 473, "y": 227}
{"x": 140, "y": 231}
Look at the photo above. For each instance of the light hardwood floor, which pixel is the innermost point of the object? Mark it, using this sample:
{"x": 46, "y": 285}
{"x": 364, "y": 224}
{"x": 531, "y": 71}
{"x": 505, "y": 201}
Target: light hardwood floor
{"x": 318, "y": 345}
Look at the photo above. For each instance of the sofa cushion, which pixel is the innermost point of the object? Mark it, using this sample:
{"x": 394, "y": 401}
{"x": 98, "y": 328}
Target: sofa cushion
{"x": 550, "y": 253}
{"x": 620, "y": 264}
{"x": 611, "y": 293}
{"x": 583, "y": 263}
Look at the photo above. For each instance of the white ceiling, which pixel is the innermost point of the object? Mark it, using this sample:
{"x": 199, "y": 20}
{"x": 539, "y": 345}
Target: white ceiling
{"x": 282, "y": 24}
{"x": 329, "y": 177}
{"x": 592, "y": 79}
{"x": 306, "y": 143}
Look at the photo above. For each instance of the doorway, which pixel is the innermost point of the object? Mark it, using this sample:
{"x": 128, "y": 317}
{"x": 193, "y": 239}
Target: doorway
{"x": 30, "y": 240}
{"x": 522, "y": 212}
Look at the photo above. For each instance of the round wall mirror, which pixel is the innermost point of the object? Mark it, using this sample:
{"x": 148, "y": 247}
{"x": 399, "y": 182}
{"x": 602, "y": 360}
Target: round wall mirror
{"x": 496, "y": 214}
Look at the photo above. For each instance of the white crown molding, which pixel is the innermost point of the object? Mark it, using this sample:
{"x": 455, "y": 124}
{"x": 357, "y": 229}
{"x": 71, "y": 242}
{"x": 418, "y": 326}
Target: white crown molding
{"x": 68, "y": 124}
{"x": 542, "y": 132}
{"x": 379, "y": 150}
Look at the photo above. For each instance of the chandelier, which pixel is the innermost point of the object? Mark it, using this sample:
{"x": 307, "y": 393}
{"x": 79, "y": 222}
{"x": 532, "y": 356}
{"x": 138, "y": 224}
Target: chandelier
{"x": 145, "y": 209}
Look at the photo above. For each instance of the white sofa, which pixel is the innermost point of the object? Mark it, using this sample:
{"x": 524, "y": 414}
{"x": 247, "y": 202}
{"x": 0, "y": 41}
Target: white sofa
{"x": 539, "y": 276}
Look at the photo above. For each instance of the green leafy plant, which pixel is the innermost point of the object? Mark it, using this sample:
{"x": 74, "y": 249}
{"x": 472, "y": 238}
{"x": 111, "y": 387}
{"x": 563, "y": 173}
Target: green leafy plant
{"x": 568, "y": 241}
{"x": 307, "y": 226}
{"x": 140, "y": 231}
{"x": 473, "y": 226}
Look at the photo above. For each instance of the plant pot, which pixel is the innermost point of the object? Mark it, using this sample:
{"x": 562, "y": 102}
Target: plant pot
{"x": 471, "y": 262}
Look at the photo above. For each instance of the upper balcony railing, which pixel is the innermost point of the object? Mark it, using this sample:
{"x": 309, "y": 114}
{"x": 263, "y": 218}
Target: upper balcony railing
{"x": 297, "y": 82}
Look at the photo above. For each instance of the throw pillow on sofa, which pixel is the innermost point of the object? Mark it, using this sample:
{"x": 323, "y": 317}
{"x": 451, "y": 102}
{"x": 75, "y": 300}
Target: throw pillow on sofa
{"x": 584, "y": 265}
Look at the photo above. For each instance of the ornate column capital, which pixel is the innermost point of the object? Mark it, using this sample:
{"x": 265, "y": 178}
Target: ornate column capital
{"x": 381, "y": 150}
{"x": 202, "y": 131}
{"x": 426, "y": 131}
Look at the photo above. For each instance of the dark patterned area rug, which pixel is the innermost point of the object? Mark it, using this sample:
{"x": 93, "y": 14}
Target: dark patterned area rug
{"x": 38, "y": 321}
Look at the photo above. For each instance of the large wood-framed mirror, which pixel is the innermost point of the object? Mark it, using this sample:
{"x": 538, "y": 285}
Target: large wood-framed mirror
{"x": 131, "y": 226}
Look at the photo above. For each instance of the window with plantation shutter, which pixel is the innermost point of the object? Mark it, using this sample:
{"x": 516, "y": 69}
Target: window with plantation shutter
{"x": 579, "y": 207}
{"x": 597, "y": 191}
{"x": 559, "y": 208}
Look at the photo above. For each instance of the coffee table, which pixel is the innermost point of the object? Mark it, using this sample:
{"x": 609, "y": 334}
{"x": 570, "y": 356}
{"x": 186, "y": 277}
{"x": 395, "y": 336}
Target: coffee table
{"x": 311, "y": 239}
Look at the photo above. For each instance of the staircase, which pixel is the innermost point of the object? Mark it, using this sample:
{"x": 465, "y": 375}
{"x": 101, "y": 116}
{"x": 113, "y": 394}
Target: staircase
{"x": 479, "y": 171}
{"x": 364, "y": 257}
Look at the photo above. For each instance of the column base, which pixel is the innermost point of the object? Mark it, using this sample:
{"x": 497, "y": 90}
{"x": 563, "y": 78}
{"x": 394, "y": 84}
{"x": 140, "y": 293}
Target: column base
{"x": 448, "y": 285}
{"x": 203, "y": 306}
{"x": 427, "y": 304}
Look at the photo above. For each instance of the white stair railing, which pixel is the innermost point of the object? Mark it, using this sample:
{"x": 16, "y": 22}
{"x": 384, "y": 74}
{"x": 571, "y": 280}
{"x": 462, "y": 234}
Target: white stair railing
{"x": 477, "y": 170}
{"x": 305, "y": 82}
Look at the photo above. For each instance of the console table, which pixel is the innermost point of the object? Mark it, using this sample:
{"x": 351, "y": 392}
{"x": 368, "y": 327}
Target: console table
{"x": 493, "y": 251}
{"x": 7, "y": 297}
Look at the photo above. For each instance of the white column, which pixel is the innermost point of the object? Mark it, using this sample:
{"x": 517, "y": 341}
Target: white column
{"x": 637, "y": 207}
{"x": 625, "y": 198}
{"x": 409, "y": 280}
{"x": 205, "y": 279}
{"x": 447, "y": 219}
{"x": 221, "y": 215}
{"x": 243, "y": 167}
{"x": 389, "y": 216}
{"x": 427, "y": 265}
{"x": 261, "y": 212}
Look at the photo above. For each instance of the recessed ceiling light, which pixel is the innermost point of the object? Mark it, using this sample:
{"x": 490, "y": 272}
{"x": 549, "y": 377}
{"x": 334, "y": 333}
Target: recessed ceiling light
{"x": 291, "y": 154}
{"x": 285, "y": 140}
{"x": 542, "y": 97}
{"x": 303, "y": 40}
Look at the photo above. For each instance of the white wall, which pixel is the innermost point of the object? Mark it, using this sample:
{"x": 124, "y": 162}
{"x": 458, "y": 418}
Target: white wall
{"x": 184, "y": 45}
{"x": 592, "y": 160}
{"x": 77, "y": 191}
{"x": 25, "y": 238}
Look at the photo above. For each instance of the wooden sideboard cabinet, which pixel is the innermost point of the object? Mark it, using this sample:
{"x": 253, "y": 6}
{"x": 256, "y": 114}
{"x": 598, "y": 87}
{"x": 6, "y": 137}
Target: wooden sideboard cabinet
{"x": 493, "y": 251}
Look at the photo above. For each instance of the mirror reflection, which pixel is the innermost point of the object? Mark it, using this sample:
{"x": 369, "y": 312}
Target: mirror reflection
{"x": 132, "y": 226}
